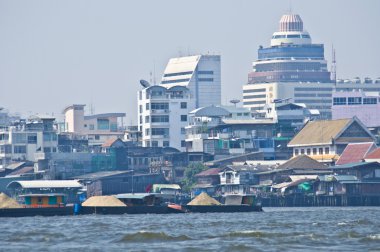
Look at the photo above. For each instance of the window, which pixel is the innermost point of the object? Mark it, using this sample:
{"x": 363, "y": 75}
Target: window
{"x": 154, "y": 143}
{"x": 54, "y": 149}
{"x": 183, "y": 105}
{"x": 320, "y": 151}
{"x": 165, "y": 144}
{"x": 32, "y": 139}
{"x": 103, "y": 124}
{"x": 19, "y": 149}
{"x": 159, "y": 105}
{"x": 140, "y": 109}
{"x": 183, "y": 131}
{"x": 369, "y": 101}
{"x": 47, "y": 137}
{"x": 314, "y": 151}
{"x": 113, "y": 127}
{"x": 97, "y": 137}
{"x": 354, "y": 100}
{"x": 47, "y": 149}
{"x": 147, "y": 119}
{"x": 296, "y": 152}
{"x": 147, "y": 106}
{"x": 19, "y": 138}
{"x": 308, "y": 151}
{"x": 302, "y": 151}
{"x": 183, "y": 143}
{"x": 206, "y": 79}
{"x": 160, "y": 132}
{"x": 205, "y": 72}
{"x": 160, "y": 118}
{"x": 327, "y": 150}
{"x": 147, "y": 132}
{"x": 92, "y": 127}
{"x": 183, "y": 118}
{"x": 340, "y": 101}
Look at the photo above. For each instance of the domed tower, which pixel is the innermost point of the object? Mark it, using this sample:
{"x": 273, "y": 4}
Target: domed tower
{"x": 289, "y": 68}
{"x": 291, "y": 31}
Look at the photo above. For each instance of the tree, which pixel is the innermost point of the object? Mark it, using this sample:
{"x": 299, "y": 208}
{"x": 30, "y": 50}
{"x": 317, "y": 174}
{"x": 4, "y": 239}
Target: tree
{"x": 189, "y": 179}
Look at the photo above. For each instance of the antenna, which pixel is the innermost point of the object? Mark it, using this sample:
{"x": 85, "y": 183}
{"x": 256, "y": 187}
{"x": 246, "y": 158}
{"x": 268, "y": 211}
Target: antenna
{"x": 333, "y": 66}
{"x": 290, "y": 6}
{"x": 235, "y": 101}
{"x": 154, "y": 73}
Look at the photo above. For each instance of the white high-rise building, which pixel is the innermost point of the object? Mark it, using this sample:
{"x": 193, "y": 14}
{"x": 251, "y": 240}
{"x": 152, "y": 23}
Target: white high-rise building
{"x": 163, "y": 115}
{"x": 201, "y": 74}
{"x": 187, "y": 83}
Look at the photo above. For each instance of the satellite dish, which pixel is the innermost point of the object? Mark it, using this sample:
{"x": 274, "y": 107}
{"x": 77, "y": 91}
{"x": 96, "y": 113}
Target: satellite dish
{"x": 144, "y": 83}
{"x": 235, "y": 101}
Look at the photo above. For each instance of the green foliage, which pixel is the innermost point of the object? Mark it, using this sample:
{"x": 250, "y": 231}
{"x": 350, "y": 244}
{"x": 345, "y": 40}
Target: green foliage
{"x": 189, "y": 179}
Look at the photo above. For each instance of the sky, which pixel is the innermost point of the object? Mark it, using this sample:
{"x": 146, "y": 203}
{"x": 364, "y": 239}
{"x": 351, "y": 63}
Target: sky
{"x": 56, "y": 53}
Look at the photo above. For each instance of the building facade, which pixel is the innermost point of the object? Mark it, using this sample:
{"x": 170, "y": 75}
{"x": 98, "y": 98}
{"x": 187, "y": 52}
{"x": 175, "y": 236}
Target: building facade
{"x": 201, "y": 74}
{"x": 163, "y": 115}
{"x": 22, "y": 141}
{"x": 363, "y": 105}
{"x": 96, "y": 128}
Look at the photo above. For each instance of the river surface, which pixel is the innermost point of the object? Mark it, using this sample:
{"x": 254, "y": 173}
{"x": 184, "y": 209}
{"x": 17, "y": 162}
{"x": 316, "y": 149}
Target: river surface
{"x": 276, "y": 229}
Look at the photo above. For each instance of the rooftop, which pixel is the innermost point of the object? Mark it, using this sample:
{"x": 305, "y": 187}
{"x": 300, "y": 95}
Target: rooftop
{"x": 355, "y": 152}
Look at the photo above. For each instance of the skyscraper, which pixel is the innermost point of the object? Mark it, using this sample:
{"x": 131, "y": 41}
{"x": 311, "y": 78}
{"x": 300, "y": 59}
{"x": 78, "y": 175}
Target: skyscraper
{"x": 292, "y": 67}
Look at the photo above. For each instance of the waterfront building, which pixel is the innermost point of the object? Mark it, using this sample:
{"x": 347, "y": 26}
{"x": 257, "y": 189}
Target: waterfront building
{"x": 162, "y": 115}
{"x": 201, "y": 74}
{"x": 7, "y": 119}
{"x": 363, "y": 105}
{"x": 21, "y": 141}
{"x": 96, "y": 128}
{"x": 220, "y": 131}
{"x": 325, "y": 140}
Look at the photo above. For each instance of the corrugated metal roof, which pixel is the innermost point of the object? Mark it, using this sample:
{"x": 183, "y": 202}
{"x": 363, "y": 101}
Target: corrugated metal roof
{"x": 355, "y": 152}
{"x": 319, "y": 132}
{"x": 209, "y": 172}
{"x": 46, "y": 184}
{"x": 374, "y": 154}
{"x": 210, "y": 111}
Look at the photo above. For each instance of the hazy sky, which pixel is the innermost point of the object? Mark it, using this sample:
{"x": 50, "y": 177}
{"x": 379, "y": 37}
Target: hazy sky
{"x": 56, "y": 53}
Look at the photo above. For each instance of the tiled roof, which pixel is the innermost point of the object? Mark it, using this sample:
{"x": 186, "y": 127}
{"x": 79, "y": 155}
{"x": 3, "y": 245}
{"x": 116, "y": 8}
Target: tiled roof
{"x": 109, "y": 142}
{"x": 374, "y": 154}
{"x": 209, "y": 172}
{"x": 319, "y": 132}
{"x": 302, "y": 162}
{"x": 355, "y": 152}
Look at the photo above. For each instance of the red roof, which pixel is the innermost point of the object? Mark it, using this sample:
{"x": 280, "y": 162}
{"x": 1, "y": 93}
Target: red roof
{"x": 374, "y": 154}
{"x": 355, "y": 152}
{"x": 209, "y": 172}
{"x": 109, "y": 142}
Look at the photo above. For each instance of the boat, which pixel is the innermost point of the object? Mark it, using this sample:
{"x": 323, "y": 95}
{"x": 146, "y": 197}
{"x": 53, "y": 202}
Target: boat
{"x": 203, "y": 203}
{"x": 37, "y": 205}
{"x": 129, "y": 203}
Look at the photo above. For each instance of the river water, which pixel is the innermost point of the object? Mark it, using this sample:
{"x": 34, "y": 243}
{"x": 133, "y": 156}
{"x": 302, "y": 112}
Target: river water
{"x": 276, "y": 229}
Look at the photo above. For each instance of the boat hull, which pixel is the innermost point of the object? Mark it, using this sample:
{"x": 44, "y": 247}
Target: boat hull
{"x": 43, "y": 211}
{"x": 223, "y": 209}
{"x": 129, "y": 210}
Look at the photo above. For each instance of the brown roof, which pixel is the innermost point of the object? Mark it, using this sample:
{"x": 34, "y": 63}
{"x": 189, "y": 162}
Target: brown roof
{"x": 209, "y": 172}
{"x": 319, "y": 132}
{"x": 374, "y": 154}
{"x": 110, "y": 142}
{"x": 26, "y": 169}
{"x": 302, "y": 162}
{"x": 355, "y": 152}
